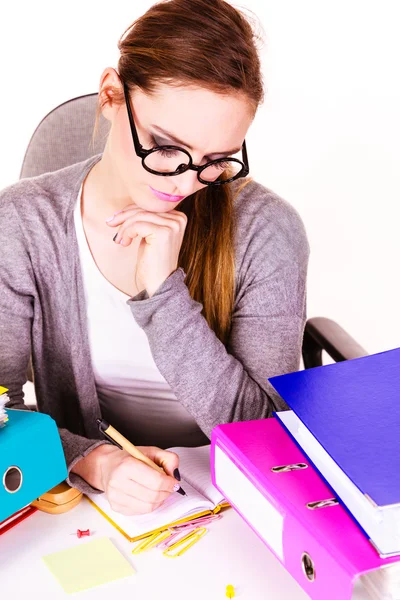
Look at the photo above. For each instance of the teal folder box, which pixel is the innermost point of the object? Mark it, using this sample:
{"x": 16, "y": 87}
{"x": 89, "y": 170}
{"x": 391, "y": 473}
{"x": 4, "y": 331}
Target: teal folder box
{"x": 31, "y": 459}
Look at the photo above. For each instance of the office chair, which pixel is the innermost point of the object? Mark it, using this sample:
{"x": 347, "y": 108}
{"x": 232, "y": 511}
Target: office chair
{"x": 63, "y": 138}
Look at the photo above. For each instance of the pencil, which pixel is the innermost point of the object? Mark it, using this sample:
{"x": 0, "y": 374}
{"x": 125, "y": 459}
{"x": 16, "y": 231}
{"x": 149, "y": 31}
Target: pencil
{"x": 119, "y": 440}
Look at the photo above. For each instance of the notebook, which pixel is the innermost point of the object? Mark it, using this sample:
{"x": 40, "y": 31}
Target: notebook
{"x": 202, "y": 499}
{"x": 348, "y": 419}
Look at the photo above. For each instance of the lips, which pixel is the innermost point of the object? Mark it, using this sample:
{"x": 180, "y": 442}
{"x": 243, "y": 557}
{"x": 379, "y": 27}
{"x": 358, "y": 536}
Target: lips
{"x": 166, "y": 197}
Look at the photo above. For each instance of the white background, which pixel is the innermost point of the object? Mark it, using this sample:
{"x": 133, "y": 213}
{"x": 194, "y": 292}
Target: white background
{"x": 327, "y": 137}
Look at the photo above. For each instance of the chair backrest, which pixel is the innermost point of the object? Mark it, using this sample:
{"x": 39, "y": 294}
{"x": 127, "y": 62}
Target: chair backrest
{"x": 63, "y": 137}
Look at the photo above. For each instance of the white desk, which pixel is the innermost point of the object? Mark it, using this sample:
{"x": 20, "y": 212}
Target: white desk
{"x": 229, "y": 553}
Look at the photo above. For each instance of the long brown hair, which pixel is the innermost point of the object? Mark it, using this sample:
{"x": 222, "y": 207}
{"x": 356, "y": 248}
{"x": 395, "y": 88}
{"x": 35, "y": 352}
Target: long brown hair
{"x": 210, "y": 44}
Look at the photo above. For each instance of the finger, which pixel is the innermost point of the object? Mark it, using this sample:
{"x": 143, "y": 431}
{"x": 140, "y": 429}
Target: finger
{"x": 175, "y": 215}
{"x": 136, "y": 470}
{"x": 119, "y": 217}
{"x": 146, "y": 230}
{"x": 166, "y": 459}
{"x": 133, "y": 507}
{"x": 125, "y": 490}
{"x": 147, "y": 215}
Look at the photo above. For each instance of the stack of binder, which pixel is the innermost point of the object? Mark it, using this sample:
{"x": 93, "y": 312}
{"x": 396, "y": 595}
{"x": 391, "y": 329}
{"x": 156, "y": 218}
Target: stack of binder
{"x": 32, "y": 462}
{"x": 346, "y": 419}
{"x": 326, "y": 497}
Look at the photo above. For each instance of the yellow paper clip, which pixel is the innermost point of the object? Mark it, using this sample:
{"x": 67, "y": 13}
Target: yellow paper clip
{"x": 191, "y": 538}
{"x": 151, "y": 541}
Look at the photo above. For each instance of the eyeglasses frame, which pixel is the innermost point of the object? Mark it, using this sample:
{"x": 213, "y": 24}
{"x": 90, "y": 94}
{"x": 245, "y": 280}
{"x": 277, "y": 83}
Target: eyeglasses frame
{"x": 142, "y": 153}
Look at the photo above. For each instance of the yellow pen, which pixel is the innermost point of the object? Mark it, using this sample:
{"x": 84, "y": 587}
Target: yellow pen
{"x": 119, "y": 440}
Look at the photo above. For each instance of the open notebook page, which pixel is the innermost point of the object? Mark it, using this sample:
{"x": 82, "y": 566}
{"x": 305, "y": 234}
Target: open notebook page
{"x": 194, "y": 467}
{"x": 174, "y": 508}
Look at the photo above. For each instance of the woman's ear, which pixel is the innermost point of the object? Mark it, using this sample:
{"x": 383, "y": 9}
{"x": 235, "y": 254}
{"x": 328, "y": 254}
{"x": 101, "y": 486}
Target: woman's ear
{"x": 110, "y": 84}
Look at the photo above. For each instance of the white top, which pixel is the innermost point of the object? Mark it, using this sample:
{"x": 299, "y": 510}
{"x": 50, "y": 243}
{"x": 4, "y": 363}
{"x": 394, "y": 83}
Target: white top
{"x": 134, "y": 397}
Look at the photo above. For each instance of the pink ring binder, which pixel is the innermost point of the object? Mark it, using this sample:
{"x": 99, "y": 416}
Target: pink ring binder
{"x": 324, "y": 549}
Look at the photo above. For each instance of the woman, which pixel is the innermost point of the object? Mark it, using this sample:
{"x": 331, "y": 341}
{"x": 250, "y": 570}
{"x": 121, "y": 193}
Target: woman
{"x": 155, "y": 286}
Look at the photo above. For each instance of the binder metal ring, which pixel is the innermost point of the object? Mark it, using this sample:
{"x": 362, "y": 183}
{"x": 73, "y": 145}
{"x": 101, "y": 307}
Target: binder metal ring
{"x": 285, "y": 468}
{"x": 12, "y": 479}
{"x": 308, "y": 567}
{"x": 322, "y": 503}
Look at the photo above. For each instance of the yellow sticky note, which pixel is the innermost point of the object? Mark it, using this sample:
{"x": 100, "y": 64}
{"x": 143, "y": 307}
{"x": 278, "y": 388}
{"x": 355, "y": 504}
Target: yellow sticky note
{"x": 89, "y": 564}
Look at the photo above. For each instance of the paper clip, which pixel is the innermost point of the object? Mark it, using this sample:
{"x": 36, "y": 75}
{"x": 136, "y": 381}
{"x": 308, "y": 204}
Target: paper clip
{"x": 181, "y": 533}
{"x": 207, "y": 519}
{"x": 151, "y": 541}
{"x": 192, "y": 538}
{"x": 198, "y": 521}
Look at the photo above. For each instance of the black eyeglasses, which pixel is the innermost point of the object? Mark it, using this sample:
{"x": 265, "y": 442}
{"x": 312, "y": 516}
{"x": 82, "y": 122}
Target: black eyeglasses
{"x": 173, "y": 160}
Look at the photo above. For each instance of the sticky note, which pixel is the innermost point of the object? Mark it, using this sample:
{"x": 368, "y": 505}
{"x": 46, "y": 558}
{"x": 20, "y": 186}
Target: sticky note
{"x": 87, "y": 565}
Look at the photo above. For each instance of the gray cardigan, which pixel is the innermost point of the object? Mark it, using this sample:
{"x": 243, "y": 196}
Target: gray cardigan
{"x": 42, "y": 312}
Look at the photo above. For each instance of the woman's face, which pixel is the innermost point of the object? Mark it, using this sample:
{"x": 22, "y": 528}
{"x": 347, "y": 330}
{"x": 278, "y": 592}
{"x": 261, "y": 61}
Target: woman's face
{"x": 207, "y": 124}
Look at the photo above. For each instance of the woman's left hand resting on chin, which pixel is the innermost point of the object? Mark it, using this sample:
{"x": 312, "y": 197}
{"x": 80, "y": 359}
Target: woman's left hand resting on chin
{"x": 162, "y": 236}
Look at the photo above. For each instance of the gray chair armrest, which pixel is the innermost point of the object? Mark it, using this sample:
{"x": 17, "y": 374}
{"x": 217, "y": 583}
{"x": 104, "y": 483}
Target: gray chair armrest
{"x": 324, "y": 334}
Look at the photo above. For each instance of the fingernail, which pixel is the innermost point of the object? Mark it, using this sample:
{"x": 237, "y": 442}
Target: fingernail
{"x": 181, "y": 491}
{"x": 115, "y": 236}
{"x": 177, "y": 475}
{"x": 176, "y": 487}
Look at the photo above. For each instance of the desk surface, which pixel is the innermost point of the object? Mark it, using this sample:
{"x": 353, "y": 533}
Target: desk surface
{"x": 230, "y": 552}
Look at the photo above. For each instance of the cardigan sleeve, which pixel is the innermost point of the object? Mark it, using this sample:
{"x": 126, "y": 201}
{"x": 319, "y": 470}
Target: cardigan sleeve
{"x": 17, "y": 297}
{"x": 218, "y": 383}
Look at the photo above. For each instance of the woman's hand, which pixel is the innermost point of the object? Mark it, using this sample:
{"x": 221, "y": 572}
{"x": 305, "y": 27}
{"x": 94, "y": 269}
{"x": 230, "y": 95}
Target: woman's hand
{"x": 162, "y": 236}
{"x": 131, "y": 486}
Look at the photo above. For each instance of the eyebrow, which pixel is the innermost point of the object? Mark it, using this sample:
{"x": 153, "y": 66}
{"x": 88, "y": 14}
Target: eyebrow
{"x": 178, "y": 141}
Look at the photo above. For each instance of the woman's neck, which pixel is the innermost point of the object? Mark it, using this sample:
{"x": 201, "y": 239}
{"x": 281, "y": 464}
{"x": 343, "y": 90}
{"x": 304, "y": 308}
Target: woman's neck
{"x": 102, "y": 195}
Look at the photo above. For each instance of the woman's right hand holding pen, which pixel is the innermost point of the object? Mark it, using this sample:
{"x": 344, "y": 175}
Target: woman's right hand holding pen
{"x": 131, "y": 486}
